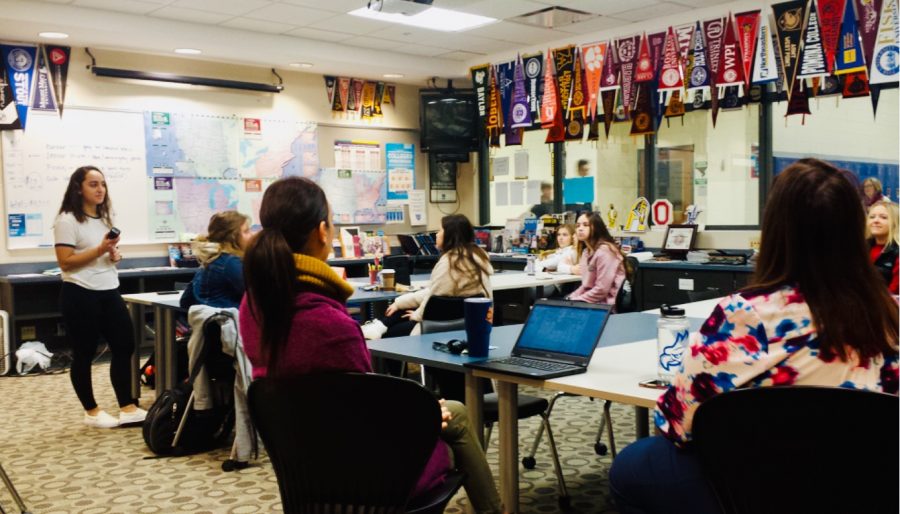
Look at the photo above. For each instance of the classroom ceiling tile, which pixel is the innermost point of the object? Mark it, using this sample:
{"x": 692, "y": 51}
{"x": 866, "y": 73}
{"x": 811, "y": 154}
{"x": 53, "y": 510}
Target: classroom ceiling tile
{"x": 461, "y": 56}
{"x": 424, "y": 50}
{"x": 484, "y": 45}
{"x": 407, "y": 34}
{"x": 269, "y": 27}
{"x": 126, "y": 6}
{"x": 654, "y": 11}
{"x": 371, "y": 43}
{"x": 701, "y": 3}
{"x": 190, "y": 15}
{"x": 597, "y": 24}
{"x": 350, "y": 24}
{"x": 515, "y": 32}
{"x": 609, "y": 7}
{"x": 318, "y": 35}
{"x": 232, "y": 7}
{"x": 339, "y": 6}
{"x": 58, "y": 1}
{"x": 500, "y": 9}
{"x": 284, "y": 13}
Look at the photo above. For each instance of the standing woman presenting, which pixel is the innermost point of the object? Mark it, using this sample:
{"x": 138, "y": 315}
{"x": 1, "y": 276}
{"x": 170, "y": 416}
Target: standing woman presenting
{"x": 90, "y": 301}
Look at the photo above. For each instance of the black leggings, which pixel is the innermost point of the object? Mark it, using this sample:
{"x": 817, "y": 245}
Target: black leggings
{"x": 89, "y": 315}
{"x": 397, "y": 325}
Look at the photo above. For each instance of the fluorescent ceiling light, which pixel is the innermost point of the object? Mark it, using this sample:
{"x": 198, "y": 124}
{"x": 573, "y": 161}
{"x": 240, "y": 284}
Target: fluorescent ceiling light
{"x": 434, "y": 18}
{"x": 393, "y": 75}
{"x": 301, "y": 64}
{"x": 53, "y": 35}
{"x": 188, "y": 51}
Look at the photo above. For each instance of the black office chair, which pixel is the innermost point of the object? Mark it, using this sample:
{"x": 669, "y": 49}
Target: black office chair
{"x": 528, "y": 406}
{"x": 402, "y": 266}
{"x": 446, "y": 309}
{"x": 626, "y": 298}
{"x": 337, "y": 444}
{"x": 817, "y": 449}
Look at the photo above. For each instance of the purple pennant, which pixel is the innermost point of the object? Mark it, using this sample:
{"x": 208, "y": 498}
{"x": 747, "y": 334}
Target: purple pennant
{"x": 519, "y": 111}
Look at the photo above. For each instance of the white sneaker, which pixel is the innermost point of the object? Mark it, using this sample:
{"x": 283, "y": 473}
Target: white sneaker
{"x": 373, "y": 329}
{"x": 101, "y": 420}
{"x": 134, "y": 417}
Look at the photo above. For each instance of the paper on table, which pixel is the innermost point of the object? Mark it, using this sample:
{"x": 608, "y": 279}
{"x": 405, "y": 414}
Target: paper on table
{"x": 501, "y": 190}
{"x": 500, "y": 166}
{"x": 516, "y": 193}
{"x": 533, "y": 192}
{"x": 521, "y": 163}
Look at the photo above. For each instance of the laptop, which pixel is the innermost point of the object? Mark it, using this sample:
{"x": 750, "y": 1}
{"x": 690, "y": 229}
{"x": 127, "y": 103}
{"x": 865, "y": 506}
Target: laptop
{"x": 558, "y": 340}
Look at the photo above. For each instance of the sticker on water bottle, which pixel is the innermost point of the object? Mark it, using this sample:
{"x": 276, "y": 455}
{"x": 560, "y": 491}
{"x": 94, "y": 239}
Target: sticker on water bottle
{"x": 670, "y": 355}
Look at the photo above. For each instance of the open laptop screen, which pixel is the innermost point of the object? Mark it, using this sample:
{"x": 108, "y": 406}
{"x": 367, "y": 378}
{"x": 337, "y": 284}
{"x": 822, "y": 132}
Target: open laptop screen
{"x": 568, "y": 329}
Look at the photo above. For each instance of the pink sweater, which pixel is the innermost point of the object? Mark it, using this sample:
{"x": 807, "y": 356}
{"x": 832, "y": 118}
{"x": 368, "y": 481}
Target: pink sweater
{"x": 325, "y": 338}
{"x": 602, "y": 274}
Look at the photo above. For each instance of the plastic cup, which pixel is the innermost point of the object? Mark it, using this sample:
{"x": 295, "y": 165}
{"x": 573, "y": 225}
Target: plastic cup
{"x": 478, "y": 319}
{"x": 373, "y": 276}
{"x": 387, "y": 279}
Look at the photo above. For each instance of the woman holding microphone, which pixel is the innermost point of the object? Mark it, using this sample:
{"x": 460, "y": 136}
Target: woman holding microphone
{"x": 87, "y": 253}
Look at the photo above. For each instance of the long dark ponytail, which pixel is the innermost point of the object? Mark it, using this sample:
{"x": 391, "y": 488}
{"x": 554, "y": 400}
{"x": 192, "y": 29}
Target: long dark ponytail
{"x": 291, "y": 209}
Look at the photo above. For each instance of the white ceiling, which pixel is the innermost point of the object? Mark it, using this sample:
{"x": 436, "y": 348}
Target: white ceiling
{"x": 274, "y": 33}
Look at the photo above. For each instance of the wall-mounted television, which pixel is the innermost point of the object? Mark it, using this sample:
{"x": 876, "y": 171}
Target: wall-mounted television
{"x": 447, "y": 119}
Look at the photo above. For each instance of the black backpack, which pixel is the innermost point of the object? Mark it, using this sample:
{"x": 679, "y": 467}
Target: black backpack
{"x": 200, "y": 430}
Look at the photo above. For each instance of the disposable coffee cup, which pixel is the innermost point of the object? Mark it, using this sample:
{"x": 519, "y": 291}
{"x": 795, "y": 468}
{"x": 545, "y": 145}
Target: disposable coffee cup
{"x": 387, "y": 279}
{"x": 479, "y": 317}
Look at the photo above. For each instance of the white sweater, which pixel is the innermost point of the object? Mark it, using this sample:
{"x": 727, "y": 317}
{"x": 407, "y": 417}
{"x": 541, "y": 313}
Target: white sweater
{"x": 561, "y": 260}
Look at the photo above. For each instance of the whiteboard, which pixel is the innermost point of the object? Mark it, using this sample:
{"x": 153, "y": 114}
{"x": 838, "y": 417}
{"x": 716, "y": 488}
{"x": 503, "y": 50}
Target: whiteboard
{"x": 37, "y": 164}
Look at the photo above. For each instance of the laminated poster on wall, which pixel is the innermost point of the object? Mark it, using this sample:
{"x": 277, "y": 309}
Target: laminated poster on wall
{"x": 417, "y": 213}
{"x": 500, "y": 166}
{"x": 521, "y": 164}
{"x": 400, "y": 159}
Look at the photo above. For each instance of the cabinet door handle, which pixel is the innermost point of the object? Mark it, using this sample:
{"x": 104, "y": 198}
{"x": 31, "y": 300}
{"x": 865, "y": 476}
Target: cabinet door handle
{"x": 658, "y": 285}
{"x": 712, "y": 289}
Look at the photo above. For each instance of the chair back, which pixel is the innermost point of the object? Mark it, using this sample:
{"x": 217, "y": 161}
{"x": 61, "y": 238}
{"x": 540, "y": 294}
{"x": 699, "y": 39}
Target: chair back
{"x": 402, "y": 266}
{"x": 432, "y": 327}
{"x": 626, "y": 298}
{"x": 444, "y": 308}
{"x": 800, "y": 449}
{"x": 345, "y": 442}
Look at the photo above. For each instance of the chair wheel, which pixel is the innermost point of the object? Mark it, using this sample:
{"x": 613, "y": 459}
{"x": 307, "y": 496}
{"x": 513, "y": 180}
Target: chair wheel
{"x": 528, "y": 462}
{"x": 600, "y": 448}
{"x": 565, "y": 502}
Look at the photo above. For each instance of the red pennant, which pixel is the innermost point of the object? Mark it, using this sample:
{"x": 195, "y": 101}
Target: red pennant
{"x": 731, "y": 70}
{"x": 644, "y": 70}
{"x": 856, "y": 85}
{"x": 671, "y": 76}
{"x": 830, "y": 14}
{"x": 747, "y": 28}
{"x": 799, "y": 102}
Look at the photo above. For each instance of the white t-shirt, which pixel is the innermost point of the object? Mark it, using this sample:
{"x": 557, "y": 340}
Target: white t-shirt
{"x": 100, "y": 274}
{"x": 560, "y": 261}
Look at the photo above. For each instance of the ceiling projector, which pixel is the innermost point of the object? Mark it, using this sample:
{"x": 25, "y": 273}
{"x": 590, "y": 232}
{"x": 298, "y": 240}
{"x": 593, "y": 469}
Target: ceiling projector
{"x": 404, "y": 7}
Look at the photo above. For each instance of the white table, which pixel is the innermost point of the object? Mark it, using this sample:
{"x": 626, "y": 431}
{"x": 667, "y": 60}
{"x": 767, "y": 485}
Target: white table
{"x": 164, "y": 309}
{"x": 701, "y": 309}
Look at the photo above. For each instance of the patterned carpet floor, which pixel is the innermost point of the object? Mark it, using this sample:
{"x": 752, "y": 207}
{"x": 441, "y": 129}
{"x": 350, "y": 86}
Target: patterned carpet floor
{"x": 61, "y": 466}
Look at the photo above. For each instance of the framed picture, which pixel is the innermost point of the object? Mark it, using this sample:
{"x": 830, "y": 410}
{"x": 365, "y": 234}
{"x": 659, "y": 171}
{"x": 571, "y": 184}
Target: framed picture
{"x": 679, "y": 239}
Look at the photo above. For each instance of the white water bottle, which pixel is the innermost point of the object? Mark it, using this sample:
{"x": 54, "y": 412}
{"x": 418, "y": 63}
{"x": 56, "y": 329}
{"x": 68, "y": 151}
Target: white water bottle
{"x": 529, "y": 264}
{"x": 673, "y": 330}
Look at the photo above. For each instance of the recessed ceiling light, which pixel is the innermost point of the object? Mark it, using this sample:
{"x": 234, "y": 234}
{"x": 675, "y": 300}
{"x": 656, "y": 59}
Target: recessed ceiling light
{"x": 301, "y": 65}
{"x": 433, "y": 18}
{"x": 188, "y": 51}
{"x": 53, "y": 35}
{"x": 393, "y": 75}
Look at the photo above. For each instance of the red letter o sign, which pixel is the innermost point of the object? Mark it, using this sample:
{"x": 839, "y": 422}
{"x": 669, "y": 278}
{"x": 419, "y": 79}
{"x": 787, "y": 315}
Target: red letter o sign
{"x": 661, "y": 212}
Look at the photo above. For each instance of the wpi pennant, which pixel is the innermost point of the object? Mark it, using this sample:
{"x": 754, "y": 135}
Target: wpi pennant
{"x": 765, "y": 69}
{"x": 20, "y": 62}
{"x": 644, "y": 70}
{"x": 748, "y": 29}
{"x": 58, "y": 63}
{"x": 730, "y": 71}
{"x": 812, "y": 53}
{"x": 885, "y": 66}
{"x": 849, "y": 56}
{"x": 830, "y": 14}
{"x": 789, "y": 18}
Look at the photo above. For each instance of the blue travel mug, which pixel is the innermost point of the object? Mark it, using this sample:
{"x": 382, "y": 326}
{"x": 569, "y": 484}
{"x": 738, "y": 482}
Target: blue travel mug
{"x": 479, "y": 316}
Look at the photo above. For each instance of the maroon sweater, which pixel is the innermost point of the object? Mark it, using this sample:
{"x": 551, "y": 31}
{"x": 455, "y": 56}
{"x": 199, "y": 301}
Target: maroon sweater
{"x": 325, "y": 338}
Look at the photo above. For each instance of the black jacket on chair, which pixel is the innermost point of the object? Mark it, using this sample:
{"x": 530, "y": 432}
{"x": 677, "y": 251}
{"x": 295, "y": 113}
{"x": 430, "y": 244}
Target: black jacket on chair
{"x": 886, "y": 261}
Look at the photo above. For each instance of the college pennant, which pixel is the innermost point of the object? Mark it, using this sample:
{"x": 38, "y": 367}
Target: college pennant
{"x": 594, "y": 58}
{"x": 391, "y": 92}
{"x": 731, "y": 70}
{"x": 564, "y": 63}
{"x": 379, "y": 95}
{"x": 642, "y": 117}
{"x": 789, "y": 24}
{"x": 20, "y": 62}
{"x": 698, "y": 80}
{"x": 764, "y": 68}
{"x": 594, "y": 129}
{"x": 576, "y": 103}
{"x": 779, "y": 65}
{"x": 812, "y": 53}
{"x": 867, "y": 12}
{"x": 621, "y": 114}
{"x": 386, "y": 98}
{"x": 657, "y": 43}
{"x": 368, "y": 100}
{"x": 830, "y": 85}
{"x": 856, "y": 85}
{"x": 849, "y": 55}
{"x": 798, "y": 103}
{"x": 494, "y": 119}
{"x": 747, "y": 24}
{"x": 43, "y": 98}
{"x": 9, "y": 116}
{"x": 520, "y": 111}
{"x": 675, "y": 108}
{"x": 644, "y": 70}
{"x": 330, "y": 82}
{"x": 609, "y": 78}
{"x": 627, "y": 55}
{"x": 714, "y": 32}
{"x": 480, "y": 76}
{"x": 608, "y": 99}
{"x": 671, "y": 78}
{"x": 341, "y": 95}
{"x": 885, "y": 65}
{"x": 58, "y": 64}
{"x": 505, "y": 72}
{"x": 534, "y": 85}
{"x": 830, "y": 14}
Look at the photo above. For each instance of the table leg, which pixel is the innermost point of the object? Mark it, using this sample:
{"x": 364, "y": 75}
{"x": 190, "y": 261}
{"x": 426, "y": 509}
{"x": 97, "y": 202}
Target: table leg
{"x": 475, "y": 405}
{"x": 170, "y": 352}
{"x": 135, "y": 311}
{"x": 509, "y": 445}
{"x": 159, "y": 350}
{"x": 641, "y": 423}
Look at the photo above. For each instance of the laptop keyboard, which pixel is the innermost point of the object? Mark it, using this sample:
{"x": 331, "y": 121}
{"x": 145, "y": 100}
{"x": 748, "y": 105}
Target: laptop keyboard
{"x": 536, "y": 364}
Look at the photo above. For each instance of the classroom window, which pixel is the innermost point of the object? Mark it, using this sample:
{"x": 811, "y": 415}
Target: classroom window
{"x": 517, "y": 174}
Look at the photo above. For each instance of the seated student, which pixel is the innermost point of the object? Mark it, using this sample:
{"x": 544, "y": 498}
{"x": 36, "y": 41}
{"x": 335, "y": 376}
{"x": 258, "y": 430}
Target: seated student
{"x": 463, "y": 270}
{"x": 220, "y": 280}
{"x": 884, "y": 241}
{"x": 772, "y": 333}
{"x": 872, "y": 191}
{"x": 563, "y": 258}
{"x": 293, "y": 321}
{"x": 546, "y": 205}
{"x": 601, "y": 264}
